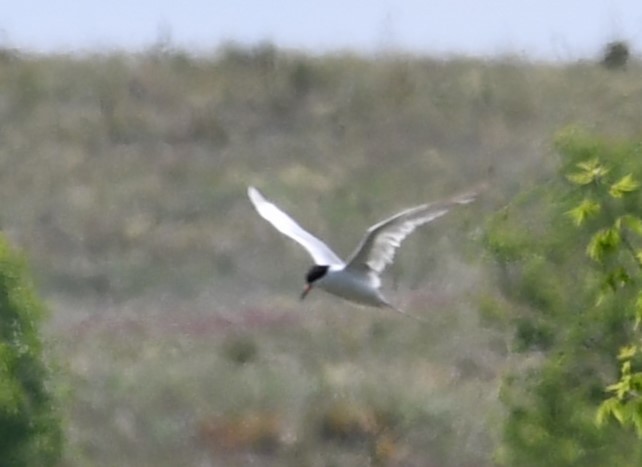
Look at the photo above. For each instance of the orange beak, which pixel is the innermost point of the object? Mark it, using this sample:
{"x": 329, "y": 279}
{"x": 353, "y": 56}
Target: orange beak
{"x": 306, "y": 290}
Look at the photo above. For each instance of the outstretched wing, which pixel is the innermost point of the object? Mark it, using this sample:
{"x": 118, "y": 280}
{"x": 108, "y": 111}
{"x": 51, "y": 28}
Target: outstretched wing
{"x": 320, "y": 252}
{"x": 377, "y": 249}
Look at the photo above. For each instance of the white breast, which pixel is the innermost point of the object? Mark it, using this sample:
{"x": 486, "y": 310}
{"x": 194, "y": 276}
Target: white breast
{"x": 355, "y": 287}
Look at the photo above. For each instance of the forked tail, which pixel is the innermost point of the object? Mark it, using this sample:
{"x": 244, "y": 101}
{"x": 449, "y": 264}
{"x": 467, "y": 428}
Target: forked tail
{"x": 408, "y": 315}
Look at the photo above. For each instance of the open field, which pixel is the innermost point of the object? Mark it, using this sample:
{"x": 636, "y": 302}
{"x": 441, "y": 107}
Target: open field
{"x": 175, "y": 320}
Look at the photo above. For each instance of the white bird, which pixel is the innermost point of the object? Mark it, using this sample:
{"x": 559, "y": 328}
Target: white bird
{"x": 356, "y": 279}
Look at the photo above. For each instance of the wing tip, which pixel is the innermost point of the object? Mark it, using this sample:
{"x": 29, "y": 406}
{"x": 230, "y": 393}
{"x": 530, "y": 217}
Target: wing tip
{"x": 254, "y": 195}
{"x": 470, "y": 196}
{"x": 466, "y": 198}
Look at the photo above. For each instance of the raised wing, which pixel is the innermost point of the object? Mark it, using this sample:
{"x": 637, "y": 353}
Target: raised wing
{"x": 377, "y": 249}
{"x": 320, "y": 252}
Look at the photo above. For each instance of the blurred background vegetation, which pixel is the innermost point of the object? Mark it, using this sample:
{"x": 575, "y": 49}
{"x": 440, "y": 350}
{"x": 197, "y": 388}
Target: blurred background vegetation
{"x": 175, "y": 324}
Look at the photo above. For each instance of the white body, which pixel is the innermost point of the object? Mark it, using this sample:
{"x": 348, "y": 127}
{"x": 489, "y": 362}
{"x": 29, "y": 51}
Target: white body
{"x": 352, "y": 286}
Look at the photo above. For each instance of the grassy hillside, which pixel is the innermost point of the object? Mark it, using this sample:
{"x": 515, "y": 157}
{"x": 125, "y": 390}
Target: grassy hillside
{"x": 175, "y": 305}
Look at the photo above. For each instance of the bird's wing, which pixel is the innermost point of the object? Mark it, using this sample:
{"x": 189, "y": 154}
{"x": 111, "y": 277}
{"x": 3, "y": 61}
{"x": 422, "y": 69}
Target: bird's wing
{"x": 320, "y": 252}
{"x": 377, "y": 248}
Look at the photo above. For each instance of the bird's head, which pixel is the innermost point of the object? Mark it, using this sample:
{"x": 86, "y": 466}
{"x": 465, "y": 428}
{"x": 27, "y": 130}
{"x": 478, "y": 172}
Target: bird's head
{"x": 315, "y": 273}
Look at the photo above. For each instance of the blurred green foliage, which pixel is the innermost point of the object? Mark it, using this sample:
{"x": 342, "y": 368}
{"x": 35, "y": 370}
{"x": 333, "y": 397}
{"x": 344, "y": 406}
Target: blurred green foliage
{"x": 616, "y": 246}
{"x": 562, "y": 306}
{"x": 30, "y": 426}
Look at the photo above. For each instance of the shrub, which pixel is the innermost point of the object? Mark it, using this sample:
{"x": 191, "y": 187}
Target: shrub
{"x": 566, "y": 332}
{"x": 616, "y": 55}
{"x": 30, "y": 431}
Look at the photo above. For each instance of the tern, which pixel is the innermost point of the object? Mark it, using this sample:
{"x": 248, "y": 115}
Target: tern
{"x": 357, "y": 279}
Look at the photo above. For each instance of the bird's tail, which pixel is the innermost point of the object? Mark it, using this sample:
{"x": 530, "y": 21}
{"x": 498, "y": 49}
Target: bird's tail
{"x": 399, "y": 310}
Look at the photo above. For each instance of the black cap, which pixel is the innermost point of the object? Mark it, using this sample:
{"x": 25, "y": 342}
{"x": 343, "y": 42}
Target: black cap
{"x": 315, "y": 273}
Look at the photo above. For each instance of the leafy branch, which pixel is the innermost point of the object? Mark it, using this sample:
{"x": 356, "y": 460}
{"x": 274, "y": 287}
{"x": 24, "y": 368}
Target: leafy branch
{"x": 620, "y": 265}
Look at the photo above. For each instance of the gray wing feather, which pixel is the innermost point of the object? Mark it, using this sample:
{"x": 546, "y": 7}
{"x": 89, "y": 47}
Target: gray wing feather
{"x": 377, "y": 249}
{"x": 320, "y": 252}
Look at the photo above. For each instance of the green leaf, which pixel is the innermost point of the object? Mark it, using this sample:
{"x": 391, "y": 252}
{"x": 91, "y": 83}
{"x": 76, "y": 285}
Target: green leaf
{"x": 615, "y": 387}
{"x": 603, "y": 242}
{"x": 580, "y": 178}
{"x": 631, "y": 222}
{"x": 586, "y": 209}
{"x": 638, "y": 311}
{"x": 636, "y": 417}
{"x": 589, "y": 165}
{"x": 627, "y": 352}
{"x": 605, "y": 409}
{"x": 619, "y": 412}
{"x": 625, "y": 185}
{"x": 590, "y": 171}
{"x": 626, "y": 369}
{"x": 636, "y": 382}
{"x": 616, "y": 279}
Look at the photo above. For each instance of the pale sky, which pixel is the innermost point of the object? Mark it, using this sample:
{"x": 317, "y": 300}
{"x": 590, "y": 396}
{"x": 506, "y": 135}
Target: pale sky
{"x": 549, "y": 29}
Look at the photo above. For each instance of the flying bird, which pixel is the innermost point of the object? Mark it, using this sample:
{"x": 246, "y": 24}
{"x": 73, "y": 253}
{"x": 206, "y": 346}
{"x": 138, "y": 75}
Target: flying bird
{"x": 357, "y": 279}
